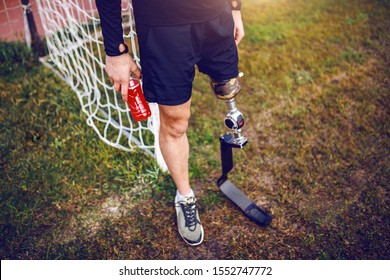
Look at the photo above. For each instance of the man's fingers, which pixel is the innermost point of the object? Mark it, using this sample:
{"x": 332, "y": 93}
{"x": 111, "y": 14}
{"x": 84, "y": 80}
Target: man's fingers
{"x": 238, "y": 38}
{"x": 117, "y": 86}
{"x": 124, "y": 90}
{"x": 137, "y": 73}
{"x": 238, "y": 35}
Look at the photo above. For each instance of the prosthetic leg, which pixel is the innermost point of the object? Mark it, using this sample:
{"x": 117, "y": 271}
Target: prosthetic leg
{"x": 234, "y": 121}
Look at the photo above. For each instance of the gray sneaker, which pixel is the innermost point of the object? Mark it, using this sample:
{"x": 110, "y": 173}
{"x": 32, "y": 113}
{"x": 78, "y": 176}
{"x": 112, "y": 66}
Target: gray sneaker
{"x": 188, "y": 221}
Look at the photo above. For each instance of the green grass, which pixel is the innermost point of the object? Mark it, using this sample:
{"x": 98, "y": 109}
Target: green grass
{"x": 315, "y": 97}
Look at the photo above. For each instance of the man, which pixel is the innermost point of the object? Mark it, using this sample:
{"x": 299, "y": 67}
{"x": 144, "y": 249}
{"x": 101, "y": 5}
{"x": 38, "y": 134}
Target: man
{"x": 173, "y": 37}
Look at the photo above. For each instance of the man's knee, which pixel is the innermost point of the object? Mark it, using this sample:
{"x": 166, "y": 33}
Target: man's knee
{"x": 174, "y": 120}
{"x": 174, "y": 127}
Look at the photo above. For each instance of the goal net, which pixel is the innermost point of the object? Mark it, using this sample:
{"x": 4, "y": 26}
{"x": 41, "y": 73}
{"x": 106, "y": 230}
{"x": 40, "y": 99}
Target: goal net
{"x": 76, "y": 54}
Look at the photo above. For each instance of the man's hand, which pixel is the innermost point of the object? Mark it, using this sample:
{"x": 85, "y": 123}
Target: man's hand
{"x": 238, "y": 26}
{"x": 119, "y": 69}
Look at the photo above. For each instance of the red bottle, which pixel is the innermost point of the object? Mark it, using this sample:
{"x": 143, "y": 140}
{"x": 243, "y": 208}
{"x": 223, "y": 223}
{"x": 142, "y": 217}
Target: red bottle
{"x": 139, "y": 108}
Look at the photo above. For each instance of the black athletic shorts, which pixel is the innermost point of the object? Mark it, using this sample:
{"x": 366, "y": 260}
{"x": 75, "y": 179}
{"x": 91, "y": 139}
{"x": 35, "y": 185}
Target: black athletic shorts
{"x": 169, "y": 55}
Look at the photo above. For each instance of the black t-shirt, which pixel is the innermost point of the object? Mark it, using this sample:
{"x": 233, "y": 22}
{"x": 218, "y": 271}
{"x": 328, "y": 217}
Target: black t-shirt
{"x": 153, "y": 12}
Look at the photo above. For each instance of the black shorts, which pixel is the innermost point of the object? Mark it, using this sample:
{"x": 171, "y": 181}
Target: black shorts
{"x": 169, "y": 55}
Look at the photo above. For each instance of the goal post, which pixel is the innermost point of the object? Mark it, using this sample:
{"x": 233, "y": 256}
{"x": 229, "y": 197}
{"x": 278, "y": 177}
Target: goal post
{"x": 76, "y": 54}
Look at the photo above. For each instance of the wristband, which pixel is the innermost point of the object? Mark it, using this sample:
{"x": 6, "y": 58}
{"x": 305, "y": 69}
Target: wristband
{"x": 236, "y": 5}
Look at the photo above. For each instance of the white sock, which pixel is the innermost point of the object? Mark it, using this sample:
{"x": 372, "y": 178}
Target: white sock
{"x": 180, "y": 197}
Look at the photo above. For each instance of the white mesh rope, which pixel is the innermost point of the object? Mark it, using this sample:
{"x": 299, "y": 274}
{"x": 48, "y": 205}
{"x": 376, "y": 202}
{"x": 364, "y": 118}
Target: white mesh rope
{"x": 76, "y": 52}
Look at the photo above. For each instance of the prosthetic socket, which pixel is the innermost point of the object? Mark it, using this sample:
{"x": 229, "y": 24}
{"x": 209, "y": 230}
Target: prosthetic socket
{"x": 234, "y": 120}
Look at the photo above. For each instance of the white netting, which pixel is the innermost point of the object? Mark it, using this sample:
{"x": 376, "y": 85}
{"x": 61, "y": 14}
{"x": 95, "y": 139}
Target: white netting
{"x": 76, "y": 52}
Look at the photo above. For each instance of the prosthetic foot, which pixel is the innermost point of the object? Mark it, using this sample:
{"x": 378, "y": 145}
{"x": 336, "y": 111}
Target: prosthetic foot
{"x": 234, "y": 121}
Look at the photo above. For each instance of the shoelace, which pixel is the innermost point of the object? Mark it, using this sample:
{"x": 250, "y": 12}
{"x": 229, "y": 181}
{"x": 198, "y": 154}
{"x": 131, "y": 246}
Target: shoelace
{"x": 189, "y": 210}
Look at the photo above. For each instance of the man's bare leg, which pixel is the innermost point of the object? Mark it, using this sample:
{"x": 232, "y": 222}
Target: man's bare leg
{"x": 174, "y": 143}
{"x": 175, "y": 150}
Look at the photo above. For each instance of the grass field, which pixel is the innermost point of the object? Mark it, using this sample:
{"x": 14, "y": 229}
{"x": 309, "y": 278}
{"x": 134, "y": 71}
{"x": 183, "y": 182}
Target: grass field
{"x": 316, "y": 100}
